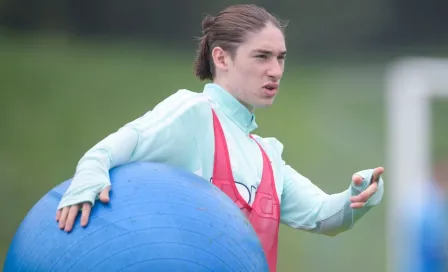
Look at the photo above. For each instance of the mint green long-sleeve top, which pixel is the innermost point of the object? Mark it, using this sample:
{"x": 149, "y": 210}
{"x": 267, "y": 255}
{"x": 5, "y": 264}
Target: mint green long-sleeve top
{"x": 179, "y": 132}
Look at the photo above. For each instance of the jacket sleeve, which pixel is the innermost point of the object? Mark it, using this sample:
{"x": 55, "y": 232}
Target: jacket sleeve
{"x": 165, "y": 134}
{"x": 305, "y": 206}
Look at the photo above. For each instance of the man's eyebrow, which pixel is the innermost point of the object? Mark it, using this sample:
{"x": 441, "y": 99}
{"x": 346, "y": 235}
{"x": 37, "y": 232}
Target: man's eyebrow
{"x": 268, "y": 52}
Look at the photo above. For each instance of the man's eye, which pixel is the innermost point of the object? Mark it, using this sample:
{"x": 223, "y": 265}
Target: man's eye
{"x": 262, "y": 56}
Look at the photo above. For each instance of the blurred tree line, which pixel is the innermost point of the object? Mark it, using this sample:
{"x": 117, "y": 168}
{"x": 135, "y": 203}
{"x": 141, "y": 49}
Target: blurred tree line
{"x": 315, "y": 27}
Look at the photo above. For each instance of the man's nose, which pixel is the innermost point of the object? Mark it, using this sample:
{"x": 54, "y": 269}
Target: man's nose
{"x": 276, "y": 69}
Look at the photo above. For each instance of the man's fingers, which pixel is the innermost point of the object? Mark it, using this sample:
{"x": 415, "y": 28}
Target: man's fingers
{"x": 104, "y": 195}
{"x": 58, "y": 214}
{"x": 63, "y": 217}
{"x": 357, "y": 205}
{"x": 72, "y": 213}
{"x": 366, "y": 194}
{"x": 86, "y": 208}
{"x": 370, "y": 191}
{"x": 360, "y": 200}
{"x": 357, "y": 179}
{"x": 377, "y": 172}
{"x": 67, "y": 216}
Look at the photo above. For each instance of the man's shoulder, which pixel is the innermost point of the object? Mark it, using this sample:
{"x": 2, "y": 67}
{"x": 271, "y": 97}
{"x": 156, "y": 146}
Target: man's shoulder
{"x": 271, "y": 145}
{"x": 183, "y": 100}
{"x": 183, "y": 106}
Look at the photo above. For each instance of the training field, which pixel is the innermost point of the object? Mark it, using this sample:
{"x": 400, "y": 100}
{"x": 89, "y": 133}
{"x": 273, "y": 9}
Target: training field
{"x": 58, "y": 100}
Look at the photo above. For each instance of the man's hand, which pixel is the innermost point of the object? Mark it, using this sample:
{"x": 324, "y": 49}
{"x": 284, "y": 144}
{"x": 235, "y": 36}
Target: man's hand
{"x": 67, "y": 215}
{"x": 360, "y": 200}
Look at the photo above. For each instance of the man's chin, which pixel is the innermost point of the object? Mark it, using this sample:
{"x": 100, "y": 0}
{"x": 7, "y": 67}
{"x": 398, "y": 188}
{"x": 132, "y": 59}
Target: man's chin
{"x": 265, "y": 103}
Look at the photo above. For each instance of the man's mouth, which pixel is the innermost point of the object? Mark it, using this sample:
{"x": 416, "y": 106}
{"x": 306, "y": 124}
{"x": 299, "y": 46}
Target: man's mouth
{"x": 270, "y": 88}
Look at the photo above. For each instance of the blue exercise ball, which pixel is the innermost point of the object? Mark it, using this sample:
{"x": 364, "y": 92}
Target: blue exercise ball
{"x": 159, "y": 219}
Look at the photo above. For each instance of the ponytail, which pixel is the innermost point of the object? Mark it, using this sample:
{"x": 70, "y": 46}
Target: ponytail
{"x": 203, "y": 63}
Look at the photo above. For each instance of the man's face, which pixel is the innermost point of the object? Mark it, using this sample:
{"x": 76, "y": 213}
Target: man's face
{"x": 254, "y": 73}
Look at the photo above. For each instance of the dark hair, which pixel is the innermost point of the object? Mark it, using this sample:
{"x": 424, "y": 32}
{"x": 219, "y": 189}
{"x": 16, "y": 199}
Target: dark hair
{"x": 227, "y": 30}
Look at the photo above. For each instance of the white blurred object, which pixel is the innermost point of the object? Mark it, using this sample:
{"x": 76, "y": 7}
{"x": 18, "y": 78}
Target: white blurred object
{"x": 411, "y": 85}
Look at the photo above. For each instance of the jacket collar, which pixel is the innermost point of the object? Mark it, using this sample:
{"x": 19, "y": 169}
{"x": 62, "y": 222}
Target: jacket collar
{"x": 237, "y": 112}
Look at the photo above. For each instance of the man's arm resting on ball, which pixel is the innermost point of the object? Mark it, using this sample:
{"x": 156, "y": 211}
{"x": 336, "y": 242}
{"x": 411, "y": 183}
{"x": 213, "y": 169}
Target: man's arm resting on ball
{"x": 92, "y": 171}
{"x": 163, "y": 135}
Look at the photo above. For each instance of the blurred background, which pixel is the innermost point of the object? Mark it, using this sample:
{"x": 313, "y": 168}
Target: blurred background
{"x": 72, "y": 72}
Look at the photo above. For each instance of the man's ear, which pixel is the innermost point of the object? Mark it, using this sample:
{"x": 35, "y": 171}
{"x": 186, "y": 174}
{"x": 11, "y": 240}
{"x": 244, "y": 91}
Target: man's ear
{"x": 220, "y": 58}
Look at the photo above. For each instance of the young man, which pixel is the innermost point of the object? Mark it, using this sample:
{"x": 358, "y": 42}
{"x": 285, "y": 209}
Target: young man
{"x": 243, "y": 53}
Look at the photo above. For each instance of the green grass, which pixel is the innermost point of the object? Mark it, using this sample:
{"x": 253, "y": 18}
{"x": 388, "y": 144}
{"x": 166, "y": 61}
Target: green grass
{"x": 57, "y": 100}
